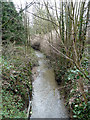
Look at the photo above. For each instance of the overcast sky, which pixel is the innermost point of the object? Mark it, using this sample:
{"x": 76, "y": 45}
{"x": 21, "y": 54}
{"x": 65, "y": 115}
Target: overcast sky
{"x": 19, "y": 3}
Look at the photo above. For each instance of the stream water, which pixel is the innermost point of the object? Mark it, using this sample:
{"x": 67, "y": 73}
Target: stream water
{"x": 46, "y": 101}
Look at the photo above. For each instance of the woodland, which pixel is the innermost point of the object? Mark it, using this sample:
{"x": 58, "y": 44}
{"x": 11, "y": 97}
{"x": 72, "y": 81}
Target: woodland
{"x": 63, "y": 31}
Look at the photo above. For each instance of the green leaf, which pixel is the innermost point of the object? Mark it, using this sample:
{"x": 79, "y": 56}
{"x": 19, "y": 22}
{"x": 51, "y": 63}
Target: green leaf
{"x": 78, "y": 77}
{"x": 79, "y": 112}
{"x": 75, "y": 116}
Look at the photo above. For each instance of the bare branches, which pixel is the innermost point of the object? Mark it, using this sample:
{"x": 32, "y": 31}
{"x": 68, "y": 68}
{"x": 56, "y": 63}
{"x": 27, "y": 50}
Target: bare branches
{"x": 42, "y": 18}
{"x": 63, "y": 55}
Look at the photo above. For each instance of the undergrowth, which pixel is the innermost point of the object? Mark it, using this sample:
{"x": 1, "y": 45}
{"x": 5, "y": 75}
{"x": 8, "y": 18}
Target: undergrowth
{"x": 75, "y": 101}
{"x": 68, "y": 79}
{"x": 16, "y": 81}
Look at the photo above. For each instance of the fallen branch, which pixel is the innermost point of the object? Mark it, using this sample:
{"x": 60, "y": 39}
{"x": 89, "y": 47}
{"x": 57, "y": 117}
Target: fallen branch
{"x": 65, "y": 56}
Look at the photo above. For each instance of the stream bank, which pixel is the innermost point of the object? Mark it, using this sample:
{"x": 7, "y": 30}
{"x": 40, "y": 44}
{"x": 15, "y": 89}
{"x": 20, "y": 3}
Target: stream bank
{"x": 16, "y": 78}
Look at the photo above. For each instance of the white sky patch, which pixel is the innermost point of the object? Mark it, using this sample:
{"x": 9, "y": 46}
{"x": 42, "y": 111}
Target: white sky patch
{"x": 22, "y": 3}
{"x": 19, "y": 3}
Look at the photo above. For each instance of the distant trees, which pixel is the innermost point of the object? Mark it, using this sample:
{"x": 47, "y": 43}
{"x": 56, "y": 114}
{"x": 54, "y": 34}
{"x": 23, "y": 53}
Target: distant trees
{"x": 41, "y": 20}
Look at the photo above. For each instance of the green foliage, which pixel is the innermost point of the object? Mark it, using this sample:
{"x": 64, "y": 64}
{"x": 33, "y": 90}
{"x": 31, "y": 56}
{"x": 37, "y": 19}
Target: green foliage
{"x": 81, "y": 110}
{"x": 68, "y": 78}
{"x": 12, "y": 105}
{"x": 12, "y": 25}
{"x": 17, "y": 82}
{"x": 74, "y": 98}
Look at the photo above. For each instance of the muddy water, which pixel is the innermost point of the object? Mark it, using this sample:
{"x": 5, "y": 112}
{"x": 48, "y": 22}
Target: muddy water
{"x": 46, "y": 98}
